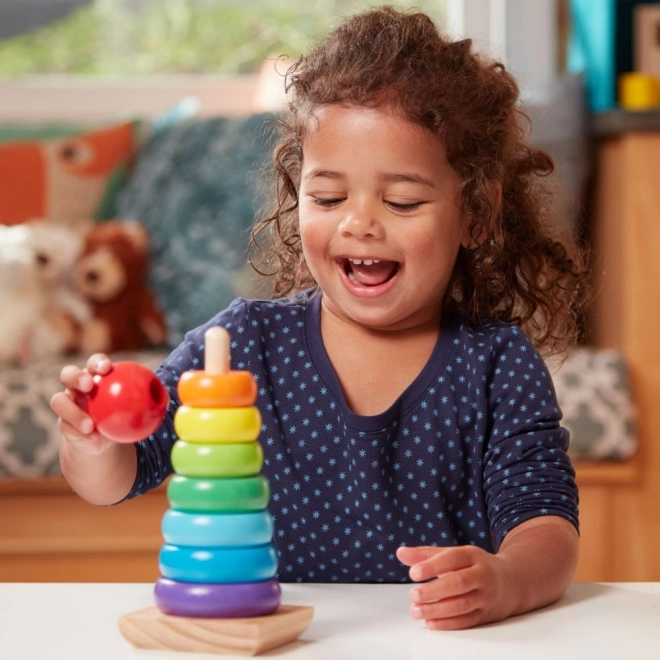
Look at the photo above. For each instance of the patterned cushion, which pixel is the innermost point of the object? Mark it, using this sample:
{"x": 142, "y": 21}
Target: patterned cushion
{"x": 594, "y": 394}
{"x": 65, "y": 178}
{"x": 29, "y": 437}
{"x": 592, "y": 386}
{"x": 195, "y": 187}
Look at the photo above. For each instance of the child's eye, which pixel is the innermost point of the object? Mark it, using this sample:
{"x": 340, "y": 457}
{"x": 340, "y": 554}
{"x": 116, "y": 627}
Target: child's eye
{"x": 324, "y": 201}
{"x": 404, "y": 207}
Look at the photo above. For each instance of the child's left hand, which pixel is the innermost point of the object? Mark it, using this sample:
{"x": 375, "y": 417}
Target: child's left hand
{"x": 470, "y": 586}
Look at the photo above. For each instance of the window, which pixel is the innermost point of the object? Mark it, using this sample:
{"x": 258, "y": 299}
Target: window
{"x": 150, "y": 37}
{"x": 86, "y": 60}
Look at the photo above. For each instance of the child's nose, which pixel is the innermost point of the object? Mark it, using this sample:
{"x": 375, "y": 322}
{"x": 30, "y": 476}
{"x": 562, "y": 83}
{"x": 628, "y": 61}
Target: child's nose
{"x": 361, "y": 222}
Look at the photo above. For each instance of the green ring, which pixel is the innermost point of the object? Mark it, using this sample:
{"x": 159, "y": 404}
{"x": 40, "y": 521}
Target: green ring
{"x": 195, "y": 459}
{"x": 220, "y": 495}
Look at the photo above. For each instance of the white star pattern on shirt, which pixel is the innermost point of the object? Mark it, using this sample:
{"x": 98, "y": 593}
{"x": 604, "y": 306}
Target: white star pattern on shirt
{"x": 461, "y": 458}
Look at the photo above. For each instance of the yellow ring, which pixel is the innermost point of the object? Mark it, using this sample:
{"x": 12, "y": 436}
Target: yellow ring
{"x": 234, "y": 389}
{"x": 217, "y": 424}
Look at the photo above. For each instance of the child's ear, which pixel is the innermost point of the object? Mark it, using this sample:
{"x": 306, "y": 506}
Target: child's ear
{"x": 477, "y": 231}
{"x": 466, "y": 239}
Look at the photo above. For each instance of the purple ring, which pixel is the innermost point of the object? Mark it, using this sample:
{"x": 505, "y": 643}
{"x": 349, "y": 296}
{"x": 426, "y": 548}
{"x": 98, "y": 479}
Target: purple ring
{"x": 214, "y": 600}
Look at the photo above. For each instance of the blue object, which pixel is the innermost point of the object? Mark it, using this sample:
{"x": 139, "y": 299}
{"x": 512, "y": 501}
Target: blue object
{"x": 185, "y": 109}
{"x": 221, "y": 565}
{"x": 218, "y": 529}
{"x": 591, "y": 49}
{"x": 196, "y": 187}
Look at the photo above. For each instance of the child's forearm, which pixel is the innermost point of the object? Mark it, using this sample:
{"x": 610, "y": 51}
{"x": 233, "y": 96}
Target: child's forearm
{"x": 540, "y": 556}
{"x": 103, "y": 478}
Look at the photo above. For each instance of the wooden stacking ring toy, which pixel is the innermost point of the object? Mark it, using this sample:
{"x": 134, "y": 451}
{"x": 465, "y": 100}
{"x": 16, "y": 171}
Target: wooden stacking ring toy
{"x": 217, "y": 529}
{"x": 218, "y": 495}
{"x": 228, "y": 565}
{"x": 234, "y": 389}
{"x": 218, "y": 424}
{"x": 193, "y": 459}
{"x": 245, "y": 599}
{"x": 217, "y": 591}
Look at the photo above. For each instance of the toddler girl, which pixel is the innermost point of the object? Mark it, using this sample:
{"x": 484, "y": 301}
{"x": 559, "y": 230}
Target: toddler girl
{"x": 410, "y": 427}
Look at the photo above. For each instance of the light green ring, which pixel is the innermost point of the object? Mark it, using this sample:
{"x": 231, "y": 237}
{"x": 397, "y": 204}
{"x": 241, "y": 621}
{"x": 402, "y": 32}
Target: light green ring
{"x": 194, "y": 459}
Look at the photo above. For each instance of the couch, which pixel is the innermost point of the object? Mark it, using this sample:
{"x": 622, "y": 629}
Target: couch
{"x": 195, "y": 184}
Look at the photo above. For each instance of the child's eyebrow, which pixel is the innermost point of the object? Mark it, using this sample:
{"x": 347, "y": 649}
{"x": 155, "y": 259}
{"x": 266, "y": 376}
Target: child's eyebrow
{"x": 392, "y": 177}
{"x": 408, "y": 178}
{"x": 325, "y": 174}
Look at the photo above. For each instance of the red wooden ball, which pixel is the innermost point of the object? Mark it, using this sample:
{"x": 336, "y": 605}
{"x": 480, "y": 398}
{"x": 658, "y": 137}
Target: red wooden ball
{"x": 128, "y": 403}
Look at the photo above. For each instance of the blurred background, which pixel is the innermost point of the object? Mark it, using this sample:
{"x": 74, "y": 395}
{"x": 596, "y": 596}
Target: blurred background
{"x": 127, "y": 37}
{"x": 191, "y": 85}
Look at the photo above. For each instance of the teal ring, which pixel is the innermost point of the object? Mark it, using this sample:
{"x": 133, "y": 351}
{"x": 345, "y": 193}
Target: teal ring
{"x": 217, "y": 529}
{"x": 218, "y": 565}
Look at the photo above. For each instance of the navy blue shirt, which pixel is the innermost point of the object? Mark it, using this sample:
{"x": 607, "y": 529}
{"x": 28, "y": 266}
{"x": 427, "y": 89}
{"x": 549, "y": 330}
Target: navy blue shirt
{"x": 472, "y": 448}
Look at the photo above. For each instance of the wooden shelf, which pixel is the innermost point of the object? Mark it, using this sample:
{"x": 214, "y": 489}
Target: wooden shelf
{"x": 52, "y": 535}
{"x": 608, "y": 473}
{"x": 620, "y": 122}
{"x": 625, "y": 234}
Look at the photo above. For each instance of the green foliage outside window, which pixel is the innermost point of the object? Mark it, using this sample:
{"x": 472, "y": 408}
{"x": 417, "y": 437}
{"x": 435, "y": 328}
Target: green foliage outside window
{"x": 113, "y": 37}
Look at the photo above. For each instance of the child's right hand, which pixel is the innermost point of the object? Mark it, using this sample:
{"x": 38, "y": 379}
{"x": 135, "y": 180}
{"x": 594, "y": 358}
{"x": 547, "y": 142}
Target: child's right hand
{"x": 76, "y": 425}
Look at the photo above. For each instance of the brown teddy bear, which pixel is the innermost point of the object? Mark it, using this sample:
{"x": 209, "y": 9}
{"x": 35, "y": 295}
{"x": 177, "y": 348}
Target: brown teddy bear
{"x": 112, "y": 276}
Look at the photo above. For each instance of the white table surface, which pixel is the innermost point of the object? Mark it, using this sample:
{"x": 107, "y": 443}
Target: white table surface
{"x": 592, "y": 621}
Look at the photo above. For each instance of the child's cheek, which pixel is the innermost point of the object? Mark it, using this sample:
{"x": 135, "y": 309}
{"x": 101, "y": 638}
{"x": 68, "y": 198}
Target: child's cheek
{"x": 314, "y": 239}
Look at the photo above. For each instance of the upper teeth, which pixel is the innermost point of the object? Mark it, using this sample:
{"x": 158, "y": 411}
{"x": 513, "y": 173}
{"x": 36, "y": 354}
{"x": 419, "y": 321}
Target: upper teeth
{"x": 366, "y": 262}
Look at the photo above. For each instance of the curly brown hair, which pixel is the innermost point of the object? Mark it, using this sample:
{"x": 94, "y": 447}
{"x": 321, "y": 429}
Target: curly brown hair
{"x": 516, "y": 269}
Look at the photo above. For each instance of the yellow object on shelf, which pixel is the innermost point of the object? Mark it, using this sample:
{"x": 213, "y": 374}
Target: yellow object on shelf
{"x": 639, "y": 91}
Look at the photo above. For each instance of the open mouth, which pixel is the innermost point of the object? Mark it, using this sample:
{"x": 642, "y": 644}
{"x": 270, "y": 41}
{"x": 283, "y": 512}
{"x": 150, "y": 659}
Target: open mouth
{"x": 370, "y": 272}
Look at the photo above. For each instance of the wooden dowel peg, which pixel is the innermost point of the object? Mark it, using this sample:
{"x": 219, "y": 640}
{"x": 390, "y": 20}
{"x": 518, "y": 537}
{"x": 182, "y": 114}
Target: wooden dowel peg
{"x": 217, "y": 347}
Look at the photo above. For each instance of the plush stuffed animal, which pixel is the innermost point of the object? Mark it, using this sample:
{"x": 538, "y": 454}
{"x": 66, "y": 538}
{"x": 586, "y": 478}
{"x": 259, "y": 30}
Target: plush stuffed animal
{"x": 22, "y": 299}
{"x": 112, "y": 276}
{"x": 57, "y": 248}
{"x": 39, "y": 307}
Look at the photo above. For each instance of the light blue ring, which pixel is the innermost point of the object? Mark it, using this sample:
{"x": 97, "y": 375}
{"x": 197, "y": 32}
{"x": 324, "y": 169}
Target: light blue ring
{"x": 217, "y": 529}
{"x": 219, "y": 565}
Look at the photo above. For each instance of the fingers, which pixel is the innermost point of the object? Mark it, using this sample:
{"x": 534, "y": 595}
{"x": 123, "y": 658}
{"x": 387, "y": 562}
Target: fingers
{"x": 410, "y": 555}
{"x": 446, "y": 587}
{"x": 99, "y": 363}
{"x": 76, "y": 433}
{"x": 437, "y": 620}
{"x": 74, "y": 422}
{"x": 76, "y": 379}
{"x": 451, "y": 601}
{"x": 459, "y": 585}
{"x": 70, "y": 405}
{"x": 457, "y": 605}
{"x": 447, "y": 603}
{"x": 427, "y": 561}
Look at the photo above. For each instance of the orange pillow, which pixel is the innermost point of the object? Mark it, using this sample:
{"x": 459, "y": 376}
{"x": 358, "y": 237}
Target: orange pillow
{"x": 63, "y": 179}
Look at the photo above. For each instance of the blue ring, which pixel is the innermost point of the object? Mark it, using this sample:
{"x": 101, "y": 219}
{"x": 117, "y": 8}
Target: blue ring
{"x": 217, "y": 529}
{"x": 226, "y": 565}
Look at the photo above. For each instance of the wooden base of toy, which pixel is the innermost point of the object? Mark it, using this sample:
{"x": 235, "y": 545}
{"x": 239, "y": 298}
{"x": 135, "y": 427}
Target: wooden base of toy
{"x": 151, "y": 629}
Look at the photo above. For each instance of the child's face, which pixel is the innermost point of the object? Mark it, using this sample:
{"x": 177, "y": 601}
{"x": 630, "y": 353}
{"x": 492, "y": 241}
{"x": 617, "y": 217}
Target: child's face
{"x": 379, "y": 222}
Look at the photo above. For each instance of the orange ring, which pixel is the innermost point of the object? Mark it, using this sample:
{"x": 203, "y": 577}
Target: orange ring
{"x": 234, "y": 389}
